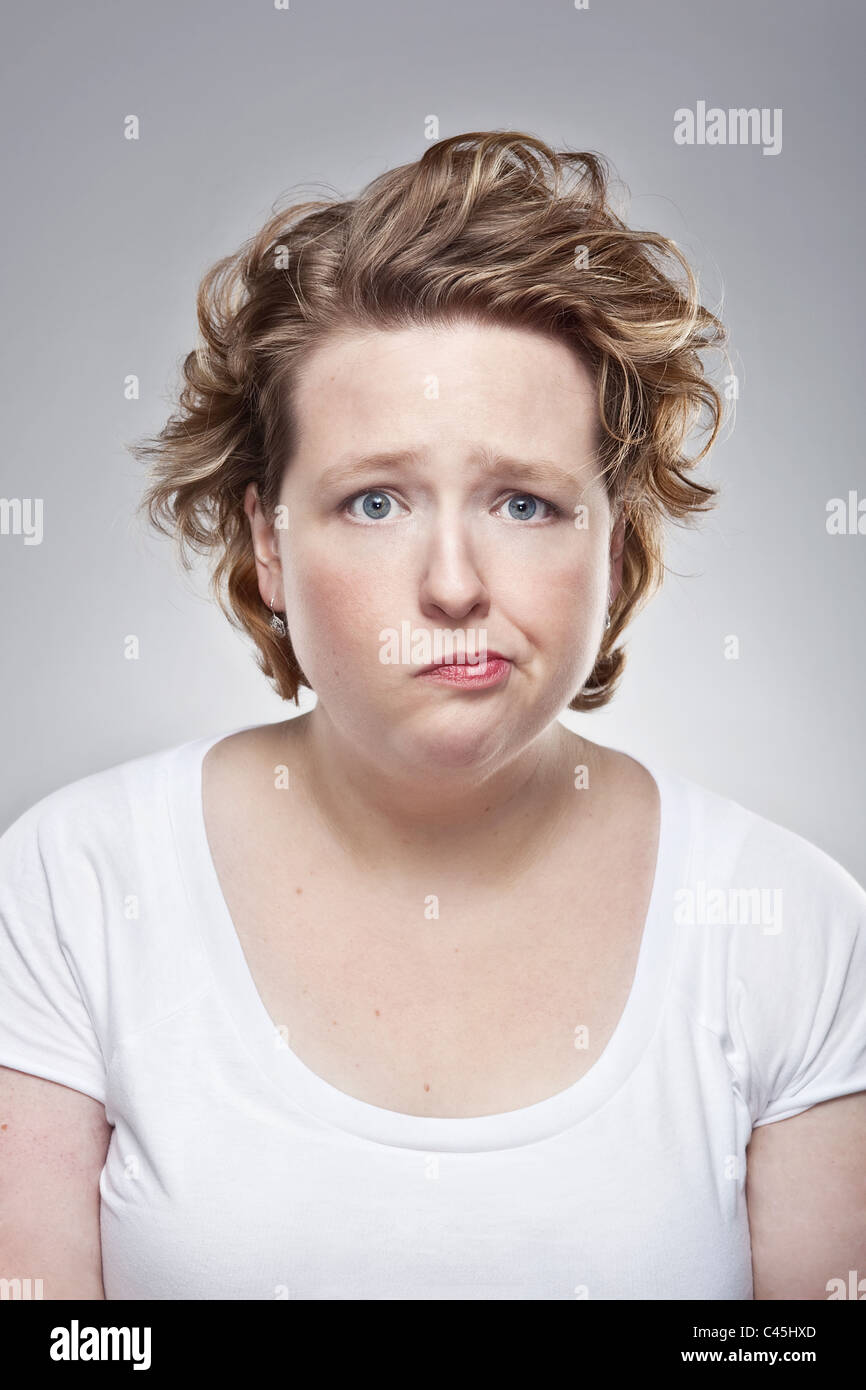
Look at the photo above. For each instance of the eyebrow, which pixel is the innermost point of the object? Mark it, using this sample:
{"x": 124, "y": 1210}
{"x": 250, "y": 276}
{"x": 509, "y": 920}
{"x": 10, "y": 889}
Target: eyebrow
{"x": 487, "y": 461}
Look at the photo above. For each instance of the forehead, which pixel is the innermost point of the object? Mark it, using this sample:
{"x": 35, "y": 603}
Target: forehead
{"x": 442, "y": 384}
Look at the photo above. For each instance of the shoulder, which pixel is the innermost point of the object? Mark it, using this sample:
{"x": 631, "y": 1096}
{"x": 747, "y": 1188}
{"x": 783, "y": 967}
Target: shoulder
{"x": 761, "y": 903}
{"x": 98, "y": 835}
{"x": 91, "y": 810}
{"x": 771, "y": 955}
{"x": 95, "y": 932}
{"x": 754, "y": 860}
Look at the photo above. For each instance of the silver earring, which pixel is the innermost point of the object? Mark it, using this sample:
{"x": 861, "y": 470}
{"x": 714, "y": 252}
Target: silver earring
{"x": 277, "y": 623}
{"x": 607, "y": 622}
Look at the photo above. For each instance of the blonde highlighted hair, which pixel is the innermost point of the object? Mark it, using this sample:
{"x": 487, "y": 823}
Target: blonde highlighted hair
{"x": 487, "y": 227}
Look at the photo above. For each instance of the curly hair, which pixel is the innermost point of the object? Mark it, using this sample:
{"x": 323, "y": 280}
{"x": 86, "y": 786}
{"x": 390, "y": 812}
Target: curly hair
{"x": 489, "y": 227}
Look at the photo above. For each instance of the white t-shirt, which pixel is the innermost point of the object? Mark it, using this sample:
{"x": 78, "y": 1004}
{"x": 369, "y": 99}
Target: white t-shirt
{"x": 235, "y": 1172}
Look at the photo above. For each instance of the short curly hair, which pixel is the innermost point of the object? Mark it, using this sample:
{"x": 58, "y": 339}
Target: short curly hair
{"x": 491, "y": 227}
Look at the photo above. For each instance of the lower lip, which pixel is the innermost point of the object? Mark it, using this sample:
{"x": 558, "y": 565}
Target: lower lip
{"x": 470, "y": 677}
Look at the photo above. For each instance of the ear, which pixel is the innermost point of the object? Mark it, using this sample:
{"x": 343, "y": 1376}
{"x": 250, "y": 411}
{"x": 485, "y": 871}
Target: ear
{"x": 269, "y": 570}
{"x": 617, "y": 545}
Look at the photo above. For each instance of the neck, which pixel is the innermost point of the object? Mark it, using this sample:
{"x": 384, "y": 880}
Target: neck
{"x": 501, "y": 817}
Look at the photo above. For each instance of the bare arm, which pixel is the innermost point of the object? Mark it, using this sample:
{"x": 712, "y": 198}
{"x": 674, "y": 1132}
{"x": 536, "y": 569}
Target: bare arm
{"x": 806, "y": 1194}
{"x": 53, "y": 1143}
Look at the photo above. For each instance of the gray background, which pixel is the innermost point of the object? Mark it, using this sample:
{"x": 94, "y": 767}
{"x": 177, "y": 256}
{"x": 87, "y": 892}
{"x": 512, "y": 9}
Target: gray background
{"x": 105, "y": 241}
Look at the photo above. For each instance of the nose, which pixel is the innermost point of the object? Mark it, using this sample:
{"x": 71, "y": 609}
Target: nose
{"x": 452, "y": 584}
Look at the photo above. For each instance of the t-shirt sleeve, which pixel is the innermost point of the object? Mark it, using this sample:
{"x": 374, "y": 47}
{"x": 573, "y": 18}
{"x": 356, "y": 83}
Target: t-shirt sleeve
{"x": 45, "y": 1026}
{"x": 797, "y": 992}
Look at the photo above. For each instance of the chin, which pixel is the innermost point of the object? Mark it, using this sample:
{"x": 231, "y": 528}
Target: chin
{"x": 468, "y": 733}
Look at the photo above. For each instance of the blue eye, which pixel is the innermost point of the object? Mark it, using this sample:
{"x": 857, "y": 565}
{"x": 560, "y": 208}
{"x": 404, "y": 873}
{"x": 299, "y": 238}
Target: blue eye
{"x": 376, "y": 504}
{"x": 523, "y": 506}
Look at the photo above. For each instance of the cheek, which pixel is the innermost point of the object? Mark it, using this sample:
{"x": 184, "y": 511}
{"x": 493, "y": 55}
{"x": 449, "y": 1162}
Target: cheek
{"x": 562, "y": 594}
{"x": 333, "y": 607}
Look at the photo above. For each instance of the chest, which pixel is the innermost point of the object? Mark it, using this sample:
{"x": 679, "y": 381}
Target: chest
{"x": 294, "y": 1208}
{"x": 429, "y": 1001}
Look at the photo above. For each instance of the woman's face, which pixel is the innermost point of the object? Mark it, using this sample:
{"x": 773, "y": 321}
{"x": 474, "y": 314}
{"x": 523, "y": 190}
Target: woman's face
{"x": 467, "y": 528}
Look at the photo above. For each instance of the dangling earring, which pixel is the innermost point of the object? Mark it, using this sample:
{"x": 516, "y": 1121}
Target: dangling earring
{"x": 607, "y": 622}
{"x": 277, "y": 623}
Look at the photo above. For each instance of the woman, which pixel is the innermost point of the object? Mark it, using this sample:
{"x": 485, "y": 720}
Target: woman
{"x": 421, "y": 994}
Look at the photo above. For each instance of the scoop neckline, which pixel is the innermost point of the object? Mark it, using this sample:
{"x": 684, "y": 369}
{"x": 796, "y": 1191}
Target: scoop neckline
{"x": 310, "y": 1092}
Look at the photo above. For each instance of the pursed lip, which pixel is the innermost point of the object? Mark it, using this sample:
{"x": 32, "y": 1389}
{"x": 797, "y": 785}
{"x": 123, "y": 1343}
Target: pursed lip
{"x": 488, "y": 656}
